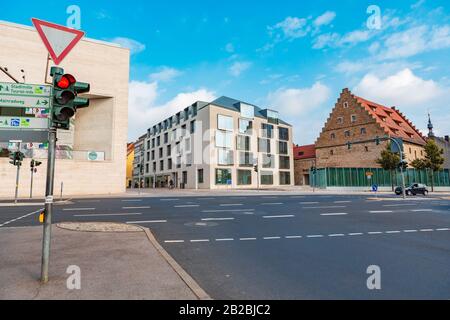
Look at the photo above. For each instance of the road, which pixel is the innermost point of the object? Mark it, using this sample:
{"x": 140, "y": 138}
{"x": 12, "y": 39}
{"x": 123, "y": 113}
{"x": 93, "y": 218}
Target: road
{"x": 288, "y": 247}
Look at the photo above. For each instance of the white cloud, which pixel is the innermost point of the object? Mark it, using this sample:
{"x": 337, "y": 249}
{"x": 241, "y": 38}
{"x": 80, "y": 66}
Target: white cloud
{"x": 238, "y": 67}
{"x": 229, "y": 48}
{"x": 335, "y": 40}
{"x": 326, "y": 40}
{"x": 134, "y": 45}
{"x": 292, "y": 27}
{"x": 403, "y": 89}
{"x": 303, "y": 108}
{"x": 325, "y": 19}
{"x": 165, "y": 74}
{"x": 144, "y": 111}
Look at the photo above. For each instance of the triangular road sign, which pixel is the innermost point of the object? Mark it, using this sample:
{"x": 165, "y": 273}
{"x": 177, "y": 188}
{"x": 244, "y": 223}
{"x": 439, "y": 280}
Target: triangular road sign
{"x": 58, "y": 40}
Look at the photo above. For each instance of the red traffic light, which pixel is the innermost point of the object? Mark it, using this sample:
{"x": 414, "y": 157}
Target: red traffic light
{"x": 66, "y": 81}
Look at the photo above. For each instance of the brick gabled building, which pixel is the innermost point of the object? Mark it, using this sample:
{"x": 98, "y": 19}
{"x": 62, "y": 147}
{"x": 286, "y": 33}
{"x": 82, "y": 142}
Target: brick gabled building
{"x": 304, "y": 159}
{"x": 355, "y": 119}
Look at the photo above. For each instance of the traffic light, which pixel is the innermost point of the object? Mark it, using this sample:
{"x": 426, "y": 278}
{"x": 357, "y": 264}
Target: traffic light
{"x": 12, "y": 156}
{"x": 16, "y": 158}
{"x": 65, "y": 98}
{"x": 34, "y": 164}
{"x": 377, "y": 141}
{"x": 403, "y": 164}
{"x": 256, "y": 168}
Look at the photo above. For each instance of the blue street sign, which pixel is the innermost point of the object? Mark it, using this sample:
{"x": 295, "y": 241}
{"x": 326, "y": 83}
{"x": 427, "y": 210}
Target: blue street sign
{"x": 375, "y": 188}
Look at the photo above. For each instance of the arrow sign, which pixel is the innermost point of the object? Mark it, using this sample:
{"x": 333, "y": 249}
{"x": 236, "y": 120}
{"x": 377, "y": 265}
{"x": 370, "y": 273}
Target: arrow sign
{"x": 58, "y": 40}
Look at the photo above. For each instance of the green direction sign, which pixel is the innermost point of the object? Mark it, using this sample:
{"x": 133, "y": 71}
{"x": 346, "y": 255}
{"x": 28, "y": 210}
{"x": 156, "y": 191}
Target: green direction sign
{"x": 21, "y": 95}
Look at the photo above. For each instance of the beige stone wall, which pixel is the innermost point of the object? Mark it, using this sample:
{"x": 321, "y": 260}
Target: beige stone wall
{"x": 101, "y": 127}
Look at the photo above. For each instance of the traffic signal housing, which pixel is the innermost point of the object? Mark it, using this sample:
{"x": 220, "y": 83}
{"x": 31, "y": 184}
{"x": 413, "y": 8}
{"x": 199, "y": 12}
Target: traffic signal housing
{"x": 16, "y": 158}
{"x": 65, "y": 98}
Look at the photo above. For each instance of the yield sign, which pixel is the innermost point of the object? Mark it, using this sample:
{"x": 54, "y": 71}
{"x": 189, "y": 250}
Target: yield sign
{"x": 58, "y": 40}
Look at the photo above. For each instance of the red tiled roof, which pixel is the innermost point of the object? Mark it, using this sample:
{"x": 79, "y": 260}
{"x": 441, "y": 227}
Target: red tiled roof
{"x": 305, "y": 152}
{"x": 393, "y": 122}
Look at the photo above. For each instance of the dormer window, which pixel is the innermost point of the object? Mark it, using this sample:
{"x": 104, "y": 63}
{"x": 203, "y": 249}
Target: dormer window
{"x": 345, "y": 105}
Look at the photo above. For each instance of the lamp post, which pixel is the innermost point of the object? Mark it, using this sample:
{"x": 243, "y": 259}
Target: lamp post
{"x": 401, "y": 166}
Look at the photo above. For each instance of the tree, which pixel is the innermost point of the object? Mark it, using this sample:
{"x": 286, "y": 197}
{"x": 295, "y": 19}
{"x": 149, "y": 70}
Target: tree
{"x": 419, "y": 164}
{"x": 389, "y": 161}
{"x": 434, "y": 159}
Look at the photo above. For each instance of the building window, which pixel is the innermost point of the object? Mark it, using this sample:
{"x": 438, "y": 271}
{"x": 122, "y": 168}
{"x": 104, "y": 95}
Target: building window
{"x": 282, "y": 147}
{"x": 192, "y": 129}
{"x": 200, "y": 176}
{"x": 161, "y": 152}
{"x": 223, "y": 176}
{"x": 148, "y": 144}
{"x": 189, "y": 160}
{"x": 153, "y": 154}
{"x": 245, "y": 159}
{"x": 285, "y": 162}
{"x": 154, "y": 166}
{"x": 363, "y": 131}
{"x": 272, "y": 117}
{"x": 169, "y": 150}
{"x": 267, "y": 130}
{"x": 243, "y": 143}
{"x": 146, "y": 168}
{"x": 178, "y": 162}
{"x": 177, "y": 148}
{"x": 247, "y": 111}
{"x": 283, "y": 134}
{"x": 266, "y": 177}
{"x": 166, "y": 137}
{"x": 268, "y": 161}
{"x": 161, "y": 165}
{"x": 187, "y": 145}
{"x": 245, "y": 126}
{"x": 158, "y": 141}
{"x": 244, "y": 177}
{"x": 169, "y": 164}
{"x": 366, "y": 148}
{"x": 225, "y": 123}
{"x": 353, "y": 118}
{"x": 331, "y": 152}
{"x": 153, "y": 142}
{"x": 333, "y": 136}
{"x": 285, "y": 178}
{"x": 183, "y": 130}
{"x": 347, "y": 133}
{"x": 345, "y": 105}
{"x": 340, "y": 120}
{"x": 264, "y": 145}
{"x": 224, "y": 139}
{"x": 225, "y": 157}
{"x": 148, "y": 156}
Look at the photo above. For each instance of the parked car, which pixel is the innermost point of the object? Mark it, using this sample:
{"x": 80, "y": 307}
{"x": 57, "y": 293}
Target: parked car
{"x": 414, "y": 189}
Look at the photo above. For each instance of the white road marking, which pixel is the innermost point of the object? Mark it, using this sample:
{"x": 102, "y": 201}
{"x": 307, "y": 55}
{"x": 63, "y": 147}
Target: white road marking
{"x": 188, "y": 206}
{"x": 410, "y": 231}
{"x": 346, "y": 201}
{"x": 279, "y": 217}
{"x": 399, "y": 205}
{"x": 294, "y": 237}
{"x": 200, "y": 240}
{"x": 229, "y": 210}
{"x": 169, "y": 199}
{"x": 356, "y": 234}
{"x": 334, "y": 214}
{"x": 107, "y": 215}
{"x": 271, "y": 238}
{"x": 426, "y": 230}
{"x": 247, "y": 239}
{"x": 134, "y": 208}
{"x": 20, "y": 218}
{"x": 375, "y": 232}
{"x": 422, "y": 210}
{"x": 79, "y": 209}
{"x": 309, "y": 202}
{"x": 337, "y": 235}
{"x": 228, "y": 239}
{"x": 272, "y": 204}
{"x": 443, "y": 229}
{"x": 217, "y": 219}
{"x": 231, "y": 205}
{"x": 132, "y": 200}
{"x": 326, "y": 207}
{"x": 386, "y": 211}
{"x": 174, "y": 241}
{"x": 392, "y": 232}
{"x": 315, "y": 236}
{"x": 150, "y": 221}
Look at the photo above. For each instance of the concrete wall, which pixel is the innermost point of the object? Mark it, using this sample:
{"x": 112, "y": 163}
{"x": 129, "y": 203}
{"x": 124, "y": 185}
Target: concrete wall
{"x": 101, "y": 127}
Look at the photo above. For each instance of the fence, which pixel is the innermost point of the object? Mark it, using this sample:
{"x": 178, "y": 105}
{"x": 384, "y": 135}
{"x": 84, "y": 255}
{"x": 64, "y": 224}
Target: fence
{"x": 357, "y": 177}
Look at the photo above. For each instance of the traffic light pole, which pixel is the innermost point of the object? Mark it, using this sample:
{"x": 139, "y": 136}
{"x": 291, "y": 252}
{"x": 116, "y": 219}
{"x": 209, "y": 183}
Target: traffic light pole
{"x": 31, "y": 183}
{"x": 401, "y": 166}
{"x": 17, "y": 184}
{"x": 46, "y": 240}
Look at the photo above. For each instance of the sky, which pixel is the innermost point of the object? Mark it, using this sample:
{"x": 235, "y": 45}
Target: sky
{"x": 291, "y": 56}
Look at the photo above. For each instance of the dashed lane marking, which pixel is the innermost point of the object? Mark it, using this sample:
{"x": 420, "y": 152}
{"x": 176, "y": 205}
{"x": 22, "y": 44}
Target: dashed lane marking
{"x": 145, "y": 222}
{"x": 231, "y": 204}
{"x": 334, "y": 214}
{"x": 272, "y": 203}
{"x": 108, "y": 215}
{"x": 217, "y": 219}
{"x": 228, "y": 210}
{"x": 382, "y": 211}
{"x": 279, "y": 216}
{"x": 134, "y": 208}
{"x": 188, "y": 206}
{"x": 79, "y": 209}
{"x": 325, "y": 207}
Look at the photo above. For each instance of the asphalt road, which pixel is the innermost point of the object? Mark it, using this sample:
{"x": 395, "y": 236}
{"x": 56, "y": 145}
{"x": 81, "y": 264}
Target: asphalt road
{"x": 287, "y": 247}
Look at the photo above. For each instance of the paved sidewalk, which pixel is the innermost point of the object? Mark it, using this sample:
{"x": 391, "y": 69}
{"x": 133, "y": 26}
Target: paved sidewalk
{"x": 114, "y": 265}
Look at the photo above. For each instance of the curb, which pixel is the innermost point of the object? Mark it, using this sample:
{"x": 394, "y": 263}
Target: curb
{"x": 190, "y": 282}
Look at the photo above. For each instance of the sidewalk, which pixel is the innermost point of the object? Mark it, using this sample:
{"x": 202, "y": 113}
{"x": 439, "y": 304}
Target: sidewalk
{"x": 114, "y": 265}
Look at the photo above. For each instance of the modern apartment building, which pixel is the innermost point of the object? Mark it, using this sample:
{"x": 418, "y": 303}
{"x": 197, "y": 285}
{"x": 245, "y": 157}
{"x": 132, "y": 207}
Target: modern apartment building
{"x": 138, "y": 162}
{"x": 223, "y": 144}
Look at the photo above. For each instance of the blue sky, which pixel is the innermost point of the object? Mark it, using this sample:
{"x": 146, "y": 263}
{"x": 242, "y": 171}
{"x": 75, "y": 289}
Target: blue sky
{"x": 294, "y": 56}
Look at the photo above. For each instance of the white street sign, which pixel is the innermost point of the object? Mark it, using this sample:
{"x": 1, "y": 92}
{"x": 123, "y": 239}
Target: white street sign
{"x": 23, "y": 89}
{"x": 23, "y": 123}
{"x": 15, "y": 101}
